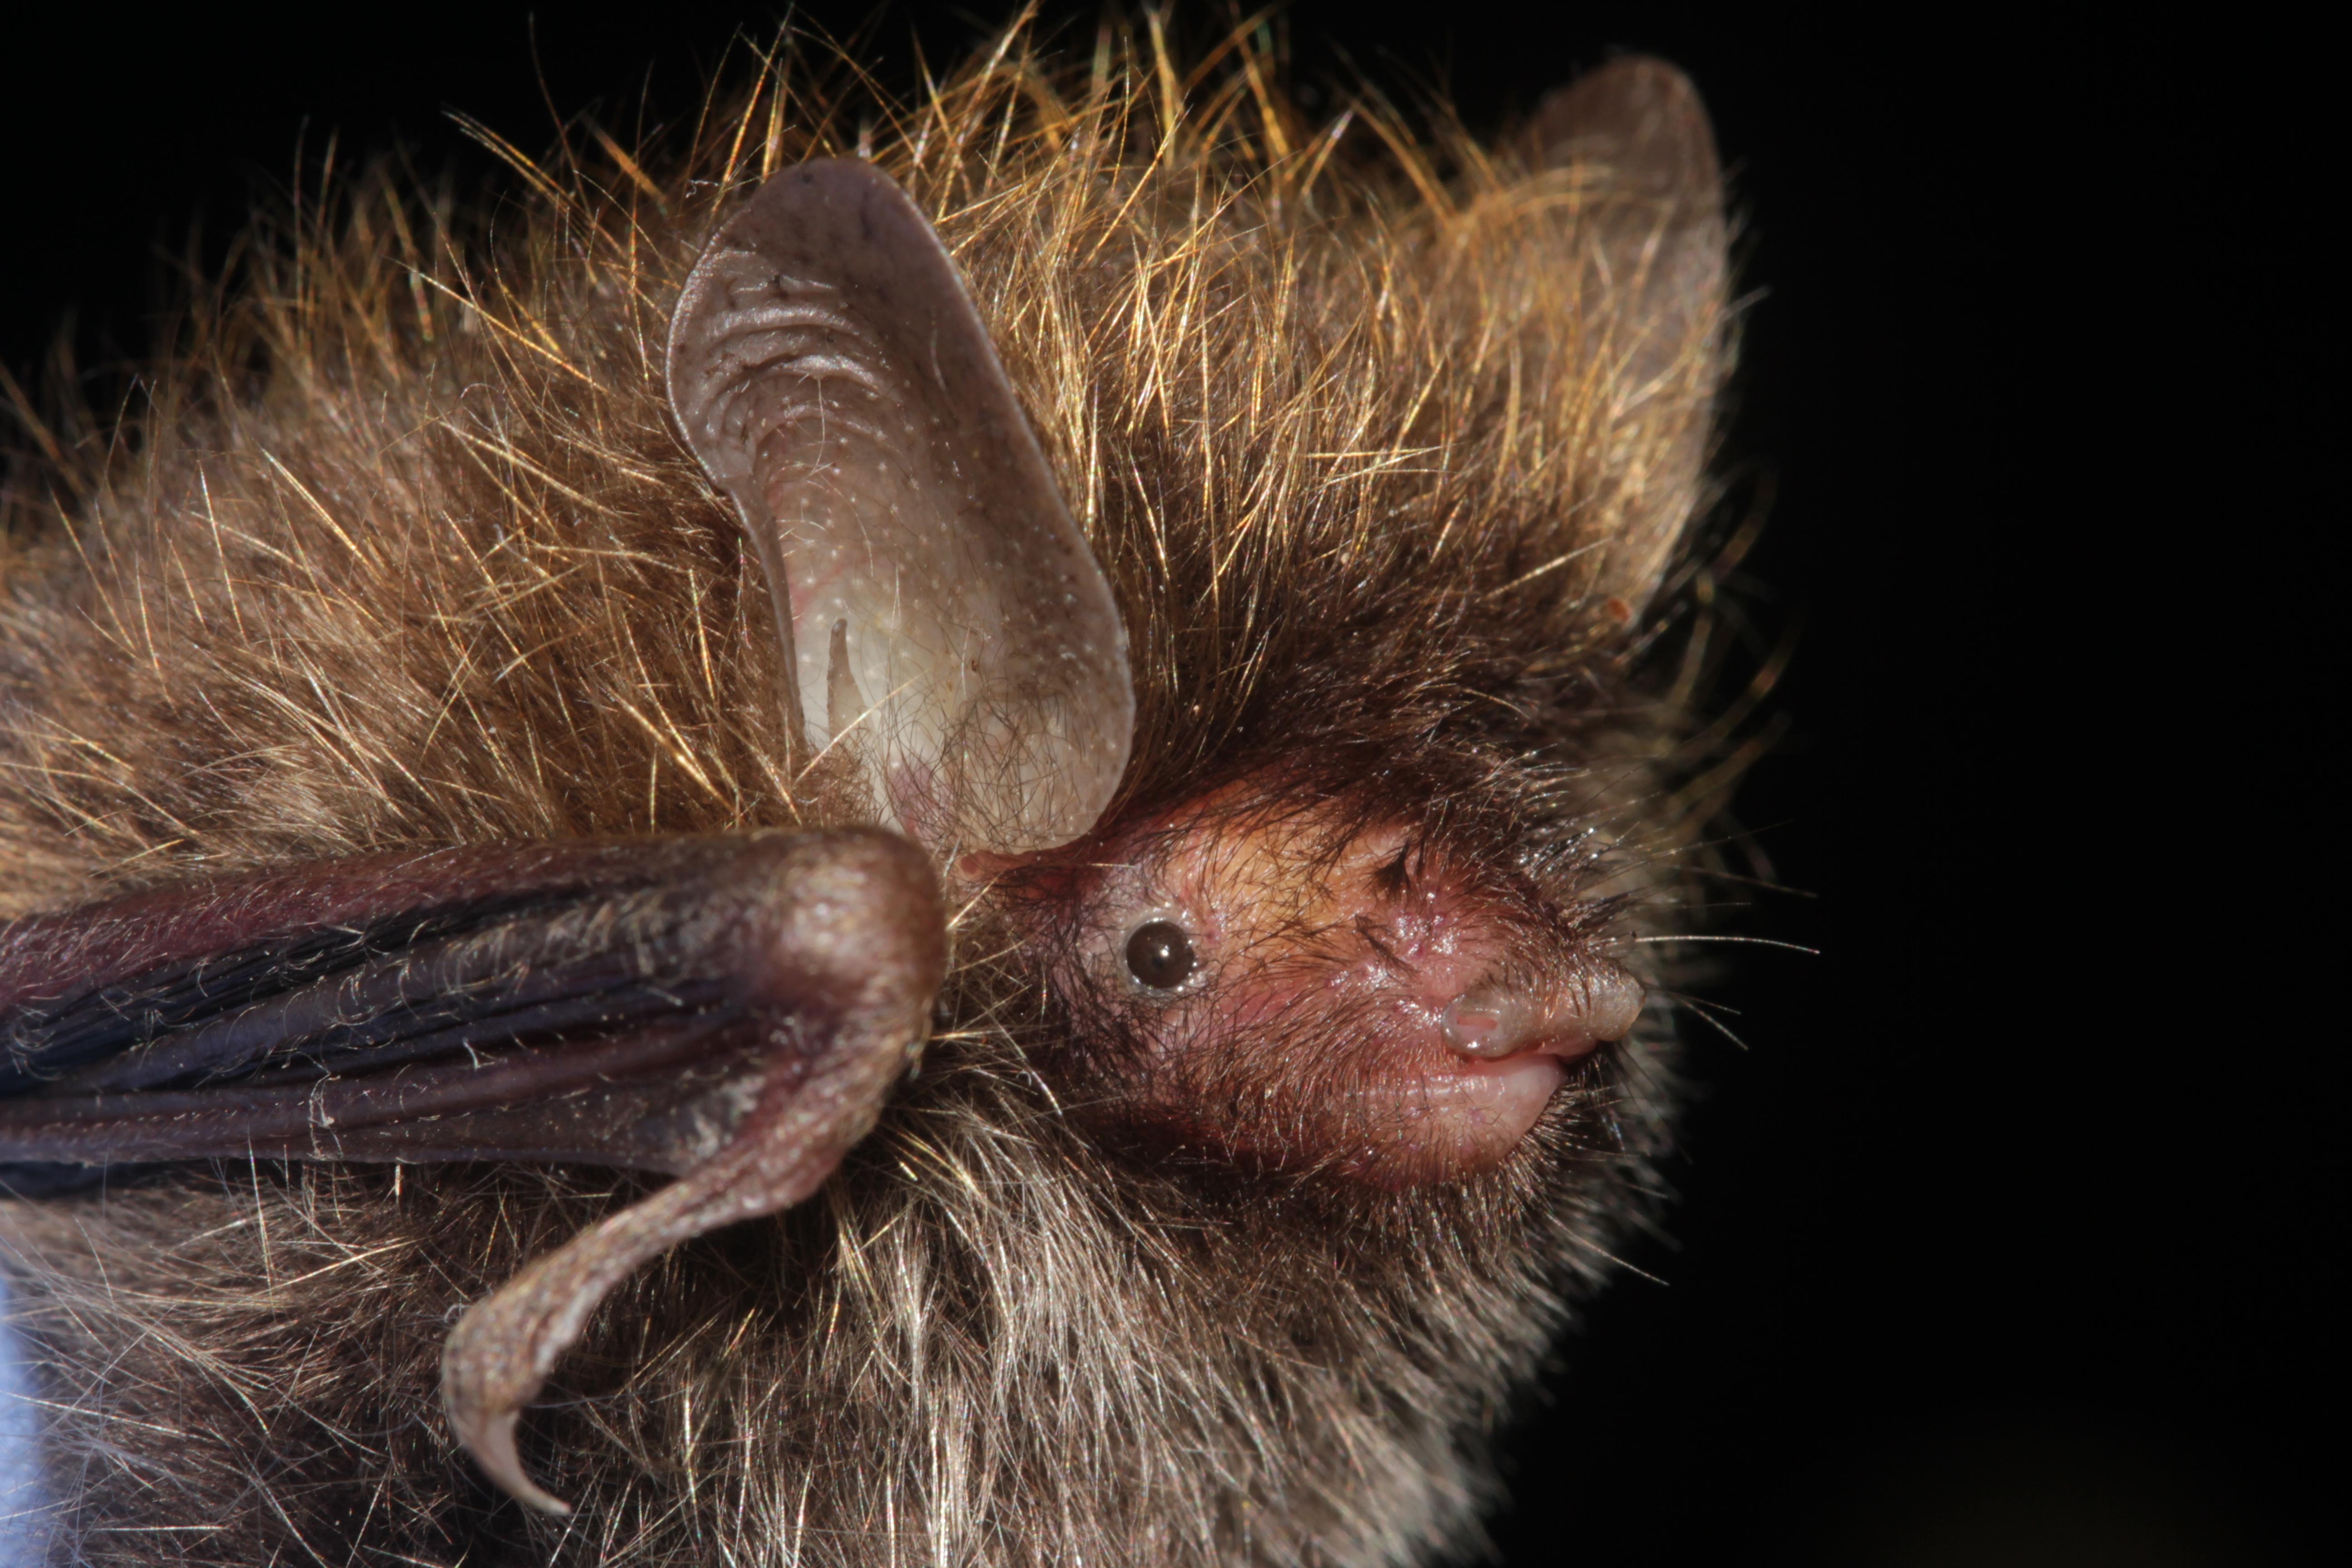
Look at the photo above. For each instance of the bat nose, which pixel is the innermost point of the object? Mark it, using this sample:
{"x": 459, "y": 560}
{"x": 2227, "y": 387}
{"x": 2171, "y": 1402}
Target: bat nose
{"x": 1566, "y": 1019}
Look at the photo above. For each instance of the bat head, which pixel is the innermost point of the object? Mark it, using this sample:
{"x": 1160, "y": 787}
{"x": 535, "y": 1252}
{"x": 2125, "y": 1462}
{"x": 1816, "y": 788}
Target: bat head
{"x": 1215, "y": 574}
{"x": 1302, "y": 979}
{"x": 1286, "y": 969}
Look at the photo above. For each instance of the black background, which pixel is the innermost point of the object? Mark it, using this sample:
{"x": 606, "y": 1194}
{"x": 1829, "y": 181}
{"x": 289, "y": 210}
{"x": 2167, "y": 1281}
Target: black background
{"x": 1998, "y": 1240}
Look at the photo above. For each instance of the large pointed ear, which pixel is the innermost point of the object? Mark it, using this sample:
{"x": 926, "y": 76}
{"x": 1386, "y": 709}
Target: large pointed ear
{"x": 1659, "y": 256}
{"x": 946, "y": 628}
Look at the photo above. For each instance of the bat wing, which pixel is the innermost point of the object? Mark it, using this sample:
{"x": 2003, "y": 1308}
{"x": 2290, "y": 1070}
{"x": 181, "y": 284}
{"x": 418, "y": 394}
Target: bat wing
{"x": 730, "y": 1010}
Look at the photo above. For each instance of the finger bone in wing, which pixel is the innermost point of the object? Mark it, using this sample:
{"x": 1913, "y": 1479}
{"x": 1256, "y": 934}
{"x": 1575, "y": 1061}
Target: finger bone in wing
{"x": 612, "y": 1024}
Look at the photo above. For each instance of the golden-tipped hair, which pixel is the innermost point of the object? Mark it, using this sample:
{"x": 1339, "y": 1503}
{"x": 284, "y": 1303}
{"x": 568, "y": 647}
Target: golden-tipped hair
{"x": 400, "y": 546}
{"x": 1384, "y": 458}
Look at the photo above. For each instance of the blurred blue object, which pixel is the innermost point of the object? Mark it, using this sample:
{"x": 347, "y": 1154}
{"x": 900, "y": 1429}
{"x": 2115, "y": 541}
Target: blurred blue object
{"x": 23, "y": 1520}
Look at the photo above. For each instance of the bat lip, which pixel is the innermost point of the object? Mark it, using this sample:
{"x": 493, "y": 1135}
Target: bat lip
{"x": 1461, "y": 1119}
{"x": 1454, "y": 1113}
{"x": 1566, "y": 1047}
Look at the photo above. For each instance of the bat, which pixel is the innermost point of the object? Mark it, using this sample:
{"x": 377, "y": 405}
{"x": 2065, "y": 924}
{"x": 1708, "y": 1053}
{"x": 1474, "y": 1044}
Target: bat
{"x": 844, "y": 849}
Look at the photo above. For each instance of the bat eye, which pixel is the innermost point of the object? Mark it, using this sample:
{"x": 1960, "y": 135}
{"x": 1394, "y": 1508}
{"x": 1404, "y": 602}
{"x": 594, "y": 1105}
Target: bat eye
{"x": 1160, "y": 955}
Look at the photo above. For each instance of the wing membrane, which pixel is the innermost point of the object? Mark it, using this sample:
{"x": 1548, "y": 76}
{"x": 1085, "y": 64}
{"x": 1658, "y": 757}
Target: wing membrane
{"x": 515, "y": 1023}
{"x": 731, "y": 1010}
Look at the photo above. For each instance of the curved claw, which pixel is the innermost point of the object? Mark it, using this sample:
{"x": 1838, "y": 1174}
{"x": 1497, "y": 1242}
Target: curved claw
{"x": 854, "y": 986}
{"x": 508, "y": 1343}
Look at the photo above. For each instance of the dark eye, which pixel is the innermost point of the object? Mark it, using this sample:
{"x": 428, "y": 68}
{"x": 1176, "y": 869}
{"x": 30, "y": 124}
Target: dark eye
{"x": 1161, "y": 955}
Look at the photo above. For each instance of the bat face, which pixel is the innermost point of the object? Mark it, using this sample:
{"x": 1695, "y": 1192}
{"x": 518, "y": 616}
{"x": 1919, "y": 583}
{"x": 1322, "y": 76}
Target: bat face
{"x": 1146, "y": 625}
{"x": 1315, "y": 984}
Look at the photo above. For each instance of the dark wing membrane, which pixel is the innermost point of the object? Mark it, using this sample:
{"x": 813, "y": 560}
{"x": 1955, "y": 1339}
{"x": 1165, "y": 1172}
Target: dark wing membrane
{"x": 611, "y": 1003}
{"x": 330, "y": 1004}
{"x": 732, "y": 1010}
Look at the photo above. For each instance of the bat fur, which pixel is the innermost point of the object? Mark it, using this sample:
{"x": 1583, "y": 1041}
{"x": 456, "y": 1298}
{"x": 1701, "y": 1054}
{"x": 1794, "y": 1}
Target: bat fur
{"x": 401, "y": 549}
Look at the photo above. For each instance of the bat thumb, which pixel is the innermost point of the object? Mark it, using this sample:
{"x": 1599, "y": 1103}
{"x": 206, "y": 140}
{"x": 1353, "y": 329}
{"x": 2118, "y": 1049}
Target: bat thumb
{"x": 492, "y": 1443}
{"x": 507, "y": 1344}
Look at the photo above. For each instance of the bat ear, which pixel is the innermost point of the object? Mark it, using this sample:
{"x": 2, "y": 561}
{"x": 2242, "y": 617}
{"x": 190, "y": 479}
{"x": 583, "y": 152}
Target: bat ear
{"x": 1663, "y": 237}
{"x": 947, "y": 631}
{"x": 1661, "y": 252}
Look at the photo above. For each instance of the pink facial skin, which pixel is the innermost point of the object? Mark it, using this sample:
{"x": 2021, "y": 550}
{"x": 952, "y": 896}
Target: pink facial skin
{"x": 1365, "y": 1000}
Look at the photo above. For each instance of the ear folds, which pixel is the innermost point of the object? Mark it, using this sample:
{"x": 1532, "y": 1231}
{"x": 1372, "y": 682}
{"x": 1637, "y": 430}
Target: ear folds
{"x": 946, "y": 628}
{"x": 1658, "y": 256}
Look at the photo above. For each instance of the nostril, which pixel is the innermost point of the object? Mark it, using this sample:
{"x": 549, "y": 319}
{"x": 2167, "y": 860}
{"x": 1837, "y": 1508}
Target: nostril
{"x": 1486, "y": 1023}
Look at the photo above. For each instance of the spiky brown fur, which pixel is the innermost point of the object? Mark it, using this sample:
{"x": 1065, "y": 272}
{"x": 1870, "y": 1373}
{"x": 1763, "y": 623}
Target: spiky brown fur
{"x": 403, "y": 550}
